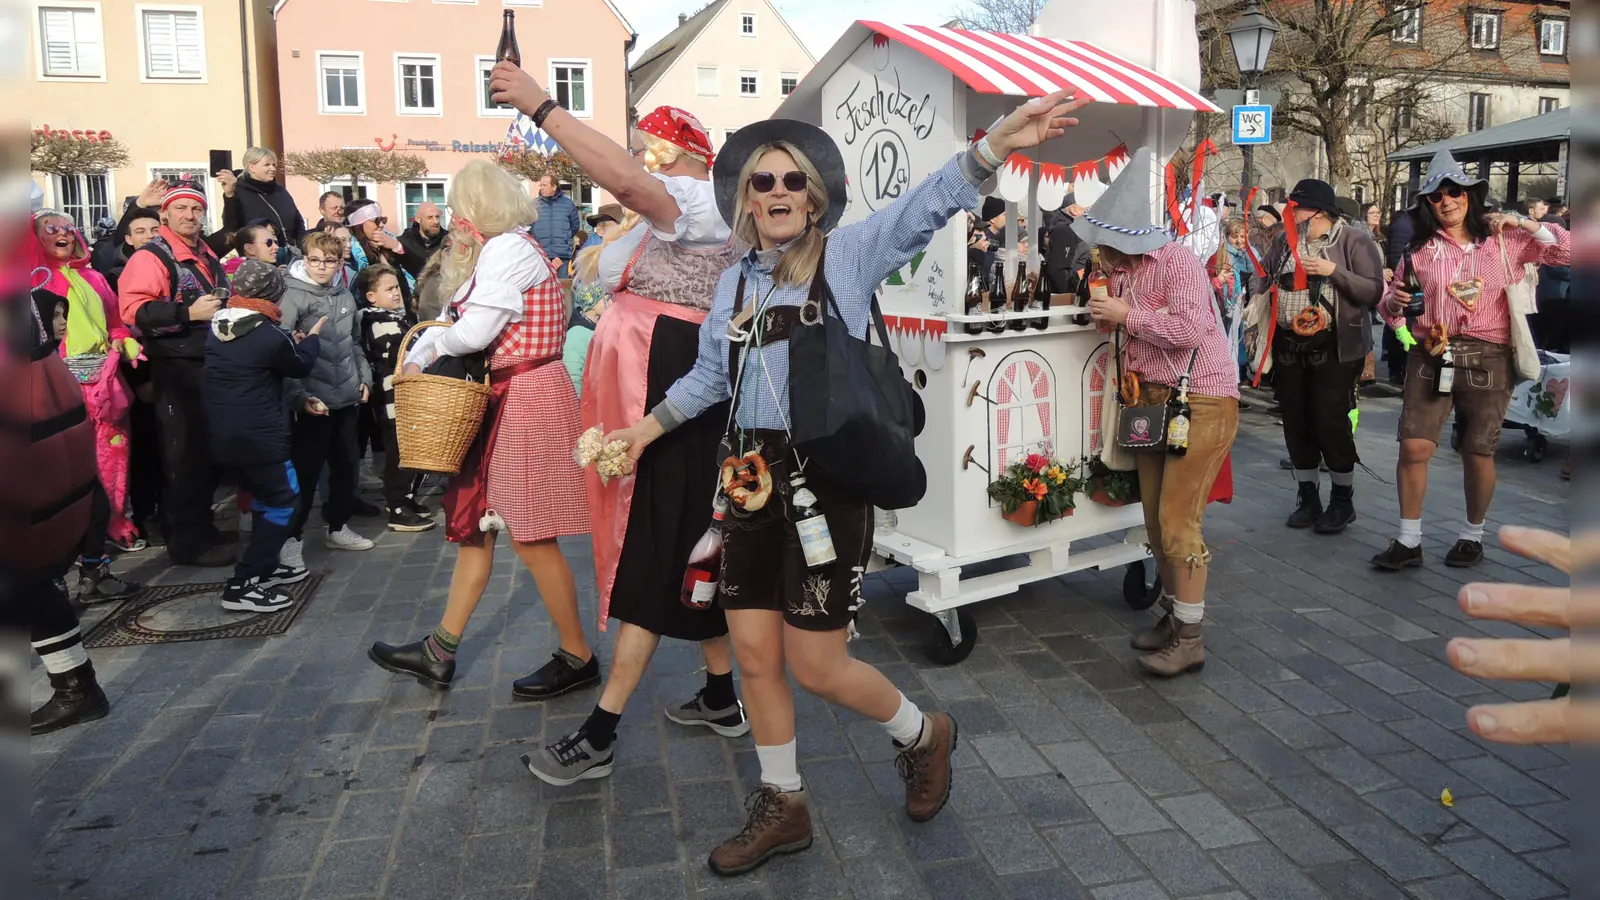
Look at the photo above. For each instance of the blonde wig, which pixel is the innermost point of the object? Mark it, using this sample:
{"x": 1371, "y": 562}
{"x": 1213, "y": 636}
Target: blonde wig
{"x": 586, "y": 265}
{"x": 800, "y": 261}
{"x": 660, "y": 154}
{"x": 485, "y": 201}
{"x": 258, "y": 154}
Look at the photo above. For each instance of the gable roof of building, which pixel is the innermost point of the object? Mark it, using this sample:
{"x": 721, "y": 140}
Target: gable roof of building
{"x": 278, "y": 6}
{"x": 661, "y": 56}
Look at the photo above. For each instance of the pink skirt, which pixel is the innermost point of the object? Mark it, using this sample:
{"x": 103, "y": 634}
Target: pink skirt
{"x": 534, "y": 482}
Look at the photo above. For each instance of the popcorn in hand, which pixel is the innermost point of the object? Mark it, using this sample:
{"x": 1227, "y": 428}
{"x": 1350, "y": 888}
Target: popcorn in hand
{"x": 590, "y": 444}
{"x": 610, "y": 460}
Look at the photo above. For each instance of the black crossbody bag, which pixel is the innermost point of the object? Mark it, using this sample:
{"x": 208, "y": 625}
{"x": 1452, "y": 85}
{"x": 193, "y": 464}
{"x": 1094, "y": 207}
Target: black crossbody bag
{"x": 1143, "y": 429}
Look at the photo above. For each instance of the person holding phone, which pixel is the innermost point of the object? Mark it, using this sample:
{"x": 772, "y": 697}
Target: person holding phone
{"x": 253, "y": 194}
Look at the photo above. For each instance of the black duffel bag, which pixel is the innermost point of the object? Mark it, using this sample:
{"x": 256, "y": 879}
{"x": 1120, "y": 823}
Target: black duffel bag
{"x": 852, "y": 414}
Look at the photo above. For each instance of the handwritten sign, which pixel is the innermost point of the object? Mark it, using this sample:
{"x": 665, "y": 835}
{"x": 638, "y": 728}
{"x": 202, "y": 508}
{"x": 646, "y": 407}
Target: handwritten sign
{"x": 871, "y": 102}
{"x": 885, "y": 168}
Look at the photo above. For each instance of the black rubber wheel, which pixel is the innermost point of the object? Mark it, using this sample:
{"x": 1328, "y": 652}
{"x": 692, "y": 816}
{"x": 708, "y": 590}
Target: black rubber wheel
{"x": 1537, "y": 447}
{"x": 1134, "y": 590}
{"x": 941, "y": 651}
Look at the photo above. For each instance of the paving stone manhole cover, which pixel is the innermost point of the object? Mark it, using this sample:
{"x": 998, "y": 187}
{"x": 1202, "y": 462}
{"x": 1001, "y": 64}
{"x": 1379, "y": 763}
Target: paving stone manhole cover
{"x": 193, "y": 612}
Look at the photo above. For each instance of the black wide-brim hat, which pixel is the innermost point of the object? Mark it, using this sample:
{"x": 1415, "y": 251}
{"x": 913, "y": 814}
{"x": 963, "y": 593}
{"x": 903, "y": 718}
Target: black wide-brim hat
{"x": 810, "y": 140}
{"x": 1315, "y": 194}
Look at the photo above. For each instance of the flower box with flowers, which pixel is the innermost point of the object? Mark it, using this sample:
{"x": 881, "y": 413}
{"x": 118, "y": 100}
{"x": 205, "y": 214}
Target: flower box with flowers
{"x": 1036, "y": 490}
{"x": 1108, "y": 487}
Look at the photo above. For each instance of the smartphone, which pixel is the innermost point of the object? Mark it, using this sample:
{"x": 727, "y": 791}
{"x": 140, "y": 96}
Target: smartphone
{"x": 221, "y": 159}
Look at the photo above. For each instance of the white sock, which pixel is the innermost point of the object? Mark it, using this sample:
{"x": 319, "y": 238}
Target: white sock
{"x": 1344, "y": 479}
{"x": 63, "y": 652}
{"x": 1473, "y": 532}
{"x": 1189, "y": 613}
{"x": 1308, "y": 476}
{"x": 906, "y": 726}
{"x": 1411, "y": 533}
{"x": 779, "y": 766}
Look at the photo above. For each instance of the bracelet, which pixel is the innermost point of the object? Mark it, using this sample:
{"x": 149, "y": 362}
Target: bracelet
{"x": 986, "y": 153}
{"x": 543, "y": 112}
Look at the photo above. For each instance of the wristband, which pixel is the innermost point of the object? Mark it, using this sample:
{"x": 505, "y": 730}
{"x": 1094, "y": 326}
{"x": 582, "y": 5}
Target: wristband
{"x": 543, "y": 112}
{"x": 986, "y": 154}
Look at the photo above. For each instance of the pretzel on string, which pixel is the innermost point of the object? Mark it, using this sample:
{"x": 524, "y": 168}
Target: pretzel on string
{"x": 1132, "y": 389}
{"x": 746, "y": 481}
{"x": 1311, "y": 320}
{"x": 1437, "y": 340}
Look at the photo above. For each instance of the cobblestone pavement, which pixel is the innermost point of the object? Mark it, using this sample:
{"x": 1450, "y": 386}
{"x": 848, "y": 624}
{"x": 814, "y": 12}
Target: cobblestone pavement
{"x": 1305, "y": 761}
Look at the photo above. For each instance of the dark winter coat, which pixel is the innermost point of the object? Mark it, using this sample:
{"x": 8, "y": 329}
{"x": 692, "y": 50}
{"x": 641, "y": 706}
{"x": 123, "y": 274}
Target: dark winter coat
{"x": 381, "y": 333}
{"x": 419, "y": 249}
{"x": 557, "y": 226}
{"x": 341, "y": 368}
{"x": 249, "y": 365}
{"x": 1357, "y": 277}
{"x": 266, "y": 201}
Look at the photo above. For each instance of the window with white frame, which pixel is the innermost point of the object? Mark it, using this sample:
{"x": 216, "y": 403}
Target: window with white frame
{"x": 569, "y": 82}
{"x": 583, "y": 196}
{"x": 788, "y": 81}
{"x": 180, "y": 173}
{"x": 340, "y": 89}
{"x": 747, "y": 24}
{"x": 1485, "y": 30}
{"x": 1408, "y": 23}
{"x": 749, "y": 83}
{"x": 1405, "y": 115}
{"x": 173, "y": 43}
{"x": 415, "y": 193}
{"x": 1553, "y": 37}
{"x": 1549, "y": 105}
{"x": 1022, "y": 416}
{"x": 486, "y": 104}
{"x": 1477, "y": 112}
{"x": 417, "y": 84}
{"x": 70, "y": 42}
{"x": 705, "y": 81}
{"x": 350, "y": 191}
{"x": 85, "y": 198}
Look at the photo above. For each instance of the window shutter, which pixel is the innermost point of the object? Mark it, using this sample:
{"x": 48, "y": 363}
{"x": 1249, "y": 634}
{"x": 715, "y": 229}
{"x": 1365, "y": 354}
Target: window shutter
{"x": 160, "y": 44}
{"x": 59, "y": 58}
{"x": 190, "y": 48}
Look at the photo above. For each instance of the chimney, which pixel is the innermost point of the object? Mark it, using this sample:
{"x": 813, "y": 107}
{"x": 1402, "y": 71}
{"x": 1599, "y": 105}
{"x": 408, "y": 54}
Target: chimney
{"x": 683, "y": 18}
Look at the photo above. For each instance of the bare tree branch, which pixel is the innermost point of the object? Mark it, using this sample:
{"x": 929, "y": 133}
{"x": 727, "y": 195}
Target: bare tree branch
{"x": 326, "y": 166}
{"x": 1004, "y": 16}
{"x": 54, "y": 155}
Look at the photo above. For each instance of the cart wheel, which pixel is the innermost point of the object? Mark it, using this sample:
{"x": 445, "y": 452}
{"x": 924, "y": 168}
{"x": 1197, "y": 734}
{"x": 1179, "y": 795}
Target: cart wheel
{"x": 1135, "y": 591}
{"x": 945, "y": 653}
{"x": 1536, "y": 449}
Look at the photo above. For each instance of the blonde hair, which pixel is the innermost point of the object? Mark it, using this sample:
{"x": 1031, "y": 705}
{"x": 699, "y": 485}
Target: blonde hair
{"x": 586, "y": 265}
{"x": 258, "y": 154}
{"x": 328, "y": 243}
{"x": 490, "y": 199}
{"x": 800, "y": 262}
{"x": 660, "y": 154}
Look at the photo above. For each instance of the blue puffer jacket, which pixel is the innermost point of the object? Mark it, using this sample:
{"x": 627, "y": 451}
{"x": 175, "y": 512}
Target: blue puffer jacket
{"x": 558, "y": 224}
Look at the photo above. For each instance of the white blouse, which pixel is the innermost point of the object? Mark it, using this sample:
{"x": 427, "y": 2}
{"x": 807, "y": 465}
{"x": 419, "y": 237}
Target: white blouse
{"x": 699, "y": 227}
{"x": 508, "y": 266}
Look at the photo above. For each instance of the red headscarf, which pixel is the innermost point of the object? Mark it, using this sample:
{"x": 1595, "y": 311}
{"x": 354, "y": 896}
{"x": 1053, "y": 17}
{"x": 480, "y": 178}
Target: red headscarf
{"x": 39, "y": 258}
{"x": 679, "y": 129}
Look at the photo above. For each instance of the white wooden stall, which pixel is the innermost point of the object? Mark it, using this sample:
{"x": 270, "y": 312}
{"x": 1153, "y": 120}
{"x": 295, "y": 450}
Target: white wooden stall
{"x": 901, "y": 101}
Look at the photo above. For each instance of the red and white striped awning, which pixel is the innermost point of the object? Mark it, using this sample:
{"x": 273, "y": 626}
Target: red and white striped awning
{"x": 1023, "y": 66}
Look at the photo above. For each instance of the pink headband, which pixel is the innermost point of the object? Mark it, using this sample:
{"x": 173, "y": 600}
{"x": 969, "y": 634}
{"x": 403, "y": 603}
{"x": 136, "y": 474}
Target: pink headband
{"x": 365, "y": 214}
{"x": 183, "y": 193}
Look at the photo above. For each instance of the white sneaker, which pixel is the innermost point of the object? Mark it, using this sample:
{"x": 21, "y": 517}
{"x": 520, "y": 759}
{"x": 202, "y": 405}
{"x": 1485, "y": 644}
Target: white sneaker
{"x": 241, "y": 595}
{"x": 345, "y": 539}
{"x": 292, "y": 554}
{"x": 284, "y": 575}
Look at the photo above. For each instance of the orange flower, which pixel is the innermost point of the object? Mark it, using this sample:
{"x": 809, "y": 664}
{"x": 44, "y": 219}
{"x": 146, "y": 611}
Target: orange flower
{"x": 1035, "y": 487}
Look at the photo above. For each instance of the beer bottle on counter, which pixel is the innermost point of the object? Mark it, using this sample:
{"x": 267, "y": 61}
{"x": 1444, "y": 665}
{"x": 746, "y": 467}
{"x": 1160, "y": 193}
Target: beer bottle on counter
{"x": 1020, "y": 294}
{"x": 997, "y": 297}
{"x": 1178, "y": 425}
{"x": 975, "y": 298}
{"x": 1043, "y": 287}
{"x": 507, "y": 51}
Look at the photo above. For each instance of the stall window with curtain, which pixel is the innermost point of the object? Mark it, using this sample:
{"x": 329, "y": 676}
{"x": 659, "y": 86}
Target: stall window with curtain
{"x": 1022, "y": 411}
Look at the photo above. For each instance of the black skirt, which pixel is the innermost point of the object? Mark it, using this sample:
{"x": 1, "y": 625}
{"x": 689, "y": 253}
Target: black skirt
{"x": 671, "y": 502}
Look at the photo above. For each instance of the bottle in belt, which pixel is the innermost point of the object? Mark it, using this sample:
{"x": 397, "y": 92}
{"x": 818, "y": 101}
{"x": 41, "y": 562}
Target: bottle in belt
{"x": 1020, "y": 294}
{"x": 705, "y": 561}
{"x": 975, "y": 302}
{"x": 815, "y": 540}
{"x": 1178, "y": 425}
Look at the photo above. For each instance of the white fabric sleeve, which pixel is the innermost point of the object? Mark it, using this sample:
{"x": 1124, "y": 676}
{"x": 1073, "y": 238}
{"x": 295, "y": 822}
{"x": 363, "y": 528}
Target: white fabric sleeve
{"x": 615, "y": 256}
{"x": 699, "y": 221}
{"x": 1544, "y": 235}
{"x": 507, "y": 267}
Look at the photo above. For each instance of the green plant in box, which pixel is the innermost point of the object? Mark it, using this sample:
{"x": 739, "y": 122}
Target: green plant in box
{"x": 1107, "y": 486}
{"x": 1048, "y": 483}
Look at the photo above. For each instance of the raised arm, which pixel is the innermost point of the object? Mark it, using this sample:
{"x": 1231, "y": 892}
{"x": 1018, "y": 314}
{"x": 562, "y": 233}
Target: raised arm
{"x": 612, "y": 167}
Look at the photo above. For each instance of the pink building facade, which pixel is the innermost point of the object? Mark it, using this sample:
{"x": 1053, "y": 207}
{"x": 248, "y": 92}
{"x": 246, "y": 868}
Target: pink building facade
{"x": 411, "y": 76}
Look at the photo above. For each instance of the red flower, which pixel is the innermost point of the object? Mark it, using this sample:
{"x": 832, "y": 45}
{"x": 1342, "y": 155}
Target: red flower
{"x": 1038, "y": 462}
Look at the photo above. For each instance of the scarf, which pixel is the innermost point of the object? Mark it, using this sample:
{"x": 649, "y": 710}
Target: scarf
{"x": 86, "y": 317}
{"x": 265, "y": 307}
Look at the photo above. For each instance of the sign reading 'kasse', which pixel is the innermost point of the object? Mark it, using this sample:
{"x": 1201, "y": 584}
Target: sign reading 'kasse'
{"x": 889, "y": 110}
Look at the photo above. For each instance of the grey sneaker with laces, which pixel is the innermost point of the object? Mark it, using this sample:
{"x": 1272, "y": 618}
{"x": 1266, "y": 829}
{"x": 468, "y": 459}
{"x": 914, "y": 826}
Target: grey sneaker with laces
{"x": 730, "y": 722}
{"x": 568, "y": 761}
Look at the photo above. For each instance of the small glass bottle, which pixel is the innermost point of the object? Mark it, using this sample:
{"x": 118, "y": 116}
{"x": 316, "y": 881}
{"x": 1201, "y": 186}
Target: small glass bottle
{"x": 816, "y": 542}
{"x": 1178, "y": 424}
{"x": 705, "y": 561}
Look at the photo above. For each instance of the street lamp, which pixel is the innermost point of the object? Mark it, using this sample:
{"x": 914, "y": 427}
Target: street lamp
{"x": 1251, "y": 36}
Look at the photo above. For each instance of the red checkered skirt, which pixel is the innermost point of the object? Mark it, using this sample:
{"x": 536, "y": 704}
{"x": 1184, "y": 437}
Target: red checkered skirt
{"x": 533, "y": 481}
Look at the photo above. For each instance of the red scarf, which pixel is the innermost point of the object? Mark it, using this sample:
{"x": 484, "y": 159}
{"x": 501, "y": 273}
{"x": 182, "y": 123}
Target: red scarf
{"x": 265, "y": 307}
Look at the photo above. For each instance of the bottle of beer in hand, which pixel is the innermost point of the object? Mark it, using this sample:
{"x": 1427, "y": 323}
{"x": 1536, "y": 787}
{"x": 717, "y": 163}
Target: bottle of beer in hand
{"x": 1412, "y": 287}
{"x": 507, "y": 51}
{"x": 1178, "y": 425}
{"x": 1019, "y": 297}
{"x": 975, "y": 298}
{"x": 705, "y": 561}
{"x": 997, "y": 296}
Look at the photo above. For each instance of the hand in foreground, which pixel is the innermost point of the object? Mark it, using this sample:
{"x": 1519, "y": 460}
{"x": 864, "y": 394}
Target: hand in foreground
{"x": 202, "y": 309}
{"x": 317, "y": 328}
{"x": 1320, "y": 267}
{"x": 1109, "y": 310}
{"x": 229, "y": 182}
{"x": 315, "y": 407}
{"x": 510, "y": 85}
{"x": 639, "y": 435}
{"x": 1551, "y": 660}
{"x": 150, "y": 197}
{"x": 410, "y": 369}
{"x": 1035, "y": 122}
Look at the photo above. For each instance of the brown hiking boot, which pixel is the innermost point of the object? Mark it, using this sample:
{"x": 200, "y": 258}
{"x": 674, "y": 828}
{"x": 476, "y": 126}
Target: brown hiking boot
{"x": 1185, "y": 652}
{"x": 780, "y": 822}
{"x": 925, "y": 767}
{"x": 1161, "y": 634}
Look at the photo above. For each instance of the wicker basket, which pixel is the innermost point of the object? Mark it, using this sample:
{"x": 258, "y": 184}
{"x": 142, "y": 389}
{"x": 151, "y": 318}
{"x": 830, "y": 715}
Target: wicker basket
{"x": 436, "y": 418}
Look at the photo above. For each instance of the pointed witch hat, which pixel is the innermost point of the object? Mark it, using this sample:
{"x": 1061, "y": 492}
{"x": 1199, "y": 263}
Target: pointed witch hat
{"x": 1121, "y": 218}
{"x": 1443, "y": 167}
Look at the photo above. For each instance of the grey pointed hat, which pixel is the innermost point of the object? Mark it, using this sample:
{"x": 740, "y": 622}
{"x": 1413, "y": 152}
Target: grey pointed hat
{"x": 1121, "y": 218}
{"x": 1443, "y": 167}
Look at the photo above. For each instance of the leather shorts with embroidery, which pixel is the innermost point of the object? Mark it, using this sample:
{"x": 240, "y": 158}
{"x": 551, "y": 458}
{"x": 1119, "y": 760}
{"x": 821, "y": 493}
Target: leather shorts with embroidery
{"x": 763, "y": 566}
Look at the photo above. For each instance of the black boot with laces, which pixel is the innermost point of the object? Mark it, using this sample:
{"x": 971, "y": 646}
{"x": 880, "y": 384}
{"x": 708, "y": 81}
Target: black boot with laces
{"x": 1309, "y": 507}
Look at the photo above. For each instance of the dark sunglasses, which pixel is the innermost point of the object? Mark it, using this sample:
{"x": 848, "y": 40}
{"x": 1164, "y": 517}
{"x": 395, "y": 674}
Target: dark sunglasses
{"x": 53, "y": 229}
{"x": 1455, "y": 191}
{"x": 764, "y": 182}
{"x": 272, "y": 242}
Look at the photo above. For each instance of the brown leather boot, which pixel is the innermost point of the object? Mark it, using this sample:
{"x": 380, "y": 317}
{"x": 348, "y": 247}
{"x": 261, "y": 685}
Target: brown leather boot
{"x": 77, "y": 699}
{"x": 1161, "y": 634}
{"x": 925, "y": 767}
{"x": 780, "y": 822}
{"x": 1185, "y": 652}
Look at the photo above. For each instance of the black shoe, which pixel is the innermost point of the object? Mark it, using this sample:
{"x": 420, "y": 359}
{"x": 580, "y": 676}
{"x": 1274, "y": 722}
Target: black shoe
{"x": 1465, "y": 554}
{"x": 419, "y": 508}
{"x": 561, "y": 674}
{"x": 249, "y": 595}
{"x": 361, "y": 509}
{"x": 96, "y": 584}
{"x": 214, "y": 557}
{"x": 1309, "y": 507}
{"x": 1340, "y": 513}
{"x": 1398, "y": 557}
{"x": 403, "y": 518}
{"x": 413, "y": 660}
{"x": 77, "y": 698}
